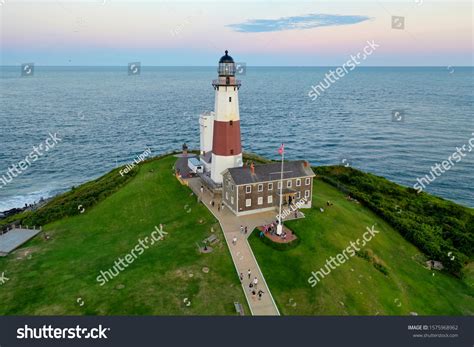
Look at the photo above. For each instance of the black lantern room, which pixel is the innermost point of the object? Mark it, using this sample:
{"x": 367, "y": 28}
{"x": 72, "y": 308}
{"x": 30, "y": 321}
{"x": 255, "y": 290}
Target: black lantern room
{"x": 226, "y": 65}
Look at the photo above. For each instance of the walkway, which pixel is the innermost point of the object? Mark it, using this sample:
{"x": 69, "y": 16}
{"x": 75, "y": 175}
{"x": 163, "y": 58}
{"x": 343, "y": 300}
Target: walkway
{"x": 242, "y": 254}
{"x": 14, "y": 238}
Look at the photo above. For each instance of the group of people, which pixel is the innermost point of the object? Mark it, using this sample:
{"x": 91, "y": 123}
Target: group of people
{"x": 272, "y": 229}
{"x": 253, "y": 286}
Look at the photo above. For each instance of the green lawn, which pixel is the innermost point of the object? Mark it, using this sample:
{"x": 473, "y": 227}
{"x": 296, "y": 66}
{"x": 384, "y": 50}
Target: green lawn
{"x": 49, "y": 277}
{"x": 356, "y": 287}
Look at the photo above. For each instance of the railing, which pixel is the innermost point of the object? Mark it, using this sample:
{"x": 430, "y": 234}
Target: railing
{"x": 223, "y": 82}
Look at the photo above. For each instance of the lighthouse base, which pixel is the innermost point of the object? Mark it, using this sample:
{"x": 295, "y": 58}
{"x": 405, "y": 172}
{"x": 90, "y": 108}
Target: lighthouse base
{"x": 221, "y": 163}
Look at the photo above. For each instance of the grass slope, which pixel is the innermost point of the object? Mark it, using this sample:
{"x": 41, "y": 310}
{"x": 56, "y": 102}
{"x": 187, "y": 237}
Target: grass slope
{"x": 356, "y": 287}
{"x": 48, "y": 277}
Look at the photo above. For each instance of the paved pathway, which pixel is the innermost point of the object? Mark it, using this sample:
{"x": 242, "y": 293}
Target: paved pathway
{"x": 241, "y": 252}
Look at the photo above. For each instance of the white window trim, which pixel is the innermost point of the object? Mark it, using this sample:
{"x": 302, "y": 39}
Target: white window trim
{"x": 307, "y": 193}
{"x": 308, "y": 181}
{"x": 270, "y": 186}
{"x": 298, "y": 182}
{"x": 248, "y": 189}
{"x": 270, "y": 199}
{"x": 260, "y": 187}
{"x": 232, "y": 200}
{"x": 288, "y": 184}
{"x": 298, "y": 195}
{"x": 248, "y": 202}
{"x": 260, "y": 200}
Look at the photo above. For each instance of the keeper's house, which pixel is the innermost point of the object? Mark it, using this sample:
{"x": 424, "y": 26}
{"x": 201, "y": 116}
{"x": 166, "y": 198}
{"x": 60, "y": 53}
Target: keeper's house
{"x": 252, "y": 189}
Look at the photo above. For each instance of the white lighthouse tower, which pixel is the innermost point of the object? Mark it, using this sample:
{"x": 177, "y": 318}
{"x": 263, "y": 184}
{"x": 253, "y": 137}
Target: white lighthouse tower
{"x": 226, "y": 144}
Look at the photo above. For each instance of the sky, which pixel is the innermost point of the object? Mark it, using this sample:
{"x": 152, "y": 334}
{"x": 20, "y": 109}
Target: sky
{"x": 259, "y": 33}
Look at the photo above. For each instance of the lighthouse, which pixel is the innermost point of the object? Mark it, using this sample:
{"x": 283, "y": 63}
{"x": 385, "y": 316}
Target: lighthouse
{"x": 226, "y": 144}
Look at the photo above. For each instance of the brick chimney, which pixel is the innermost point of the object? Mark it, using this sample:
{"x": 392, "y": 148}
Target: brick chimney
{"x": 252, "y": 169}
{"x": 305, "y": 163}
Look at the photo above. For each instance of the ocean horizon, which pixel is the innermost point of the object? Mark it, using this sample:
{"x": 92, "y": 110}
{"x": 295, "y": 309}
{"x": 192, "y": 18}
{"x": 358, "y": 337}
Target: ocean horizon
{"x": 395, "y": 122}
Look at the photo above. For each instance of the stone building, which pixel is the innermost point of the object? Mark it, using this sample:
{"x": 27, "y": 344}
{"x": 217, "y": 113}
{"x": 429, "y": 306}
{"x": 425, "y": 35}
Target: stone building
{"x": 256, "y": 188}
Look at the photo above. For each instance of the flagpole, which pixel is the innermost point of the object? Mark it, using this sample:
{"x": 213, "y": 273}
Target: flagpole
{"x": 280, "y": 226}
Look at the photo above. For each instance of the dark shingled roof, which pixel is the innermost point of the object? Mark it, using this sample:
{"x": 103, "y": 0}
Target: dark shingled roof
{"x": 270, "y": 172}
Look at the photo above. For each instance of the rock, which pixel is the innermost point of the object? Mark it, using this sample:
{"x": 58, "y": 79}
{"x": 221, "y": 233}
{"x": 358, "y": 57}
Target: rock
{"x": 205, "y": 269}
{"x": 413, "y": 314}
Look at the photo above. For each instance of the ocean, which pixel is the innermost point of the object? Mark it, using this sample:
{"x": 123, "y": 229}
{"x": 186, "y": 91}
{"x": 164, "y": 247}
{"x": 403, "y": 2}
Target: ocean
{"x": 395, "y": 122}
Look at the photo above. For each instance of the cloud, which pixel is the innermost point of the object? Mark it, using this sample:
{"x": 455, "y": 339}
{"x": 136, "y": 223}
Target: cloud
{"x": 308, "y": 21}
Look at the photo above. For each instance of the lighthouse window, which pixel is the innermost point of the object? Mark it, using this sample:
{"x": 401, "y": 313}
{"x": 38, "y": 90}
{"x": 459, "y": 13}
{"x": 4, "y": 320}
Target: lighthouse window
{"x": 231, "y": 122}
{"x": 231, "y": 152}
{"x": 230, "y": 99}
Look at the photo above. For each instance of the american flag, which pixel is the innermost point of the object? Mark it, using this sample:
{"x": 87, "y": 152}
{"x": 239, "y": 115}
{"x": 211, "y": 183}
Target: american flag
{"x": 281, "y": 149}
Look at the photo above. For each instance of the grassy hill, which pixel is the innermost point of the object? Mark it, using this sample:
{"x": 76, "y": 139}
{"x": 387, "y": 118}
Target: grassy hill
{"x": 357, "y": 287}
{"x": 56, "y": 276}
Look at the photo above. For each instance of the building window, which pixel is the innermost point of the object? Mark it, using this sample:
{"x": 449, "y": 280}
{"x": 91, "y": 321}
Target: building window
{"x": 270, "y": 199}
{"x": 230, "y": 99}
{"x": 260, "y": 200}
{"x": 248, "y": 189}
{"x": 298, "y": 182}
{"x": 298, "y": 195}
{"x": 288, "y": 184}
{"x": 270, "y": 186}
{"x": 231, "y": 152}
{"x": 306, "y": 193}
{"x": 231, "y": 122}
{"x": 260, "y": 187}
{"x": 232, "y": 200}
{"x": 227, "y": 195}
{"x": 308, "y": 181}
{"x": 248, "y": 202}
{"x": 279, "y": 184}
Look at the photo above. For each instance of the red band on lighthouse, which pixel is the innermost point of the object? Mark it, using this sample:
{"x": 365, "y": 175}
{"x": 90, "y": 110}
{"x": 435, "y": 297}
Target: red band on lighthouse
{"x": 226, "y": 138}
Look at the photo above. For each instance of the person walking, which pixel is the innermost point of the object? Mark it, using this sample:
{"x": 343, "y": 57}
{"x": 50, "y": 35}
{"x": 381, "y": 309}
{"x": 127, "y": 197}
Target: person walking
{"x": 260, "y": 293}
{"x": 255, "y": 282}
{"x": 246, "y": 229}
{"x": 241, "y": 277}
{"x": 241, "y": 229}
{"x": 249, "y": 273}
{"x": 253, "y": 295}
{"x": 234, "y": 240}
